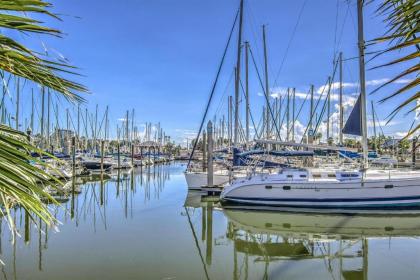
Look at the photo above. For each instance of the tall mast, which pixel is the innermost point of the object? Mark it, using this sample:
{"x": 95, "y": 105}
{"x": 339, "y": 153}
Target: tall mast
{"x": 311, "y": 108}
{"x": 374, "y": 125}
{"x": 328, "y": 107}
{"x": 86, "y": 128}
{"x": 267, "y": 97}
{"x": 223, "y": 130}
{"x": 287, "y": 114}
{"x": 42, "y": 116}
{"x": 361, "y": 44}
{"x": 106, "y": 124}
{"x": 341, "y": 99}
{"x": 230, "y": 121}
{"x": 48, "y": 116}
{"x": 67, "y": 119}
{"x": 126, "y": 128}
{"x": 246, "y": 93}
{"x": 32, "y": 113}
{"x": 78, "y": 120}
{"x": 17, "y": 103}
{"x": 132, "y": 125}
{"x": 311, "y": 115}
{"x": 238, "y": 74}
{"x": 293, "y": 113}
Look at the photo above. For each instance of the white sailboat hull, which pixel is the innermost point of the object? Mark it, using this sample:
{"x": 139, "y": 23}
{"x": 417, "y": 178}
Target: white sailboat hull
{"x": 373, "y": 193}
{"x": 197, "y": 180}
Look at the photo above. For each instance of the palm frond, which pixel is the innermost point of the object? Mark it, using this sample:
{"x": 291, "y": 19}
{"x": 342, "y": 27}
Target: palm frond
{"x": 21, "y": 61}
{"x": 402, "y": 22}
{"x": 21, "y": 182}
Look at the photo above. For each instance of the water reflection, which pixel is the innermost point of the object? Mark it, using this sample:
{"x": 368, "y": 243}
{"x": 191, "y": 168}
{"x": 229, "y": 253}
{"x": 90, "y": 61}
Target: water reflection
{"x": 143, "y": 224}
{"x": 86, "y": 205}
{"x": 342, "y": 241}
{"x": 288, "y": 245}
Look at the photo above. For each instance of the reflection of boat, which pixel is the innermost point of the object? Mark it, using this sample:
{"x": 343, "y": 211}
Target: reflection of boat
{"x": 341, "y": 241}
{"x": 326, "y": 226}
{"x": 95, "y": 165}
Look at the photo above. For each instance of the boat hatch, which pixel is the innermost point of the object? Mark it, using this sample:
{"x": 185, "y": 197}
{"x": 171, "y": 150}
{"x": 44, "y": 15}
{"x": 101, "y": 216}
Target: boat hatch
{"x": 293, "y": 174}
{"x": 348, "y": 175}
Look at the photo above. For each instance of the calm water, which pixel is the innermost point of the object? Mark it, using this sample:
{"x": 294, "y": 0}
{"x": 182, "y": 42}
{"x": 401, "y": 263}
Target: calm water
{"x": 145, "y": 225}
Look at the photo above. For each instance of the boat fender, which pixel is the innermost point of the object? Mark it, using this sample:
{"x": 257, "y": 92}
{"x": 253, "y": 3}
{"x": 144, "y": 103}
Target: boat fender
{"x": 268, "y": 187}
{"x": 287, "y": 225}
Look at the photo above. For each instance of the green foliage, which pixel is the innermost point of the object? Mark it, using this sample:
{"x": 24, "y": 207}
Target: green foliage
{"x": 21, "y": 61}
{"x": 403, "y": 26}
{"x": 21, "y": 183}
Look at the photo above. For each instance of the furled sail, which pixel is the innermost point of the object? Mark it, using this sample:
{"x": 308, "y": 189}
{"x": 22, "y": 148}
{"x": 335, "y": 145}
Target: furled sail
{"x": 353, "y": 125}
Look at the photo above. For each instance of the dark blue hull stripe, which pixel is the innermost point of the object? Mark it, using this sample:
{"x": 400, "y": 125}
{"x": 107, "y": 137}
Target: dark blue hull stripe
{"x": 324, "y": 199}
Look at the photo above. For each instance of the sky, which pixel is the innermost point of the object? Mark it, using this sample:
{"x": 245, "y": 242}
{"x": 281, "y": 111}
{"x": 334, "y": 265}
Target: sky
{"x": 160, "y": 57}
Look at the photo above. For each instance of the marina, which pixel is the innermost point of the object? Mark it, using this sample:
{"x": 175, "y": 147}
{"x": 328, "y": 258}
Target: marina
{"x": 222, "y": 140}
{"x": 115, "y": 226}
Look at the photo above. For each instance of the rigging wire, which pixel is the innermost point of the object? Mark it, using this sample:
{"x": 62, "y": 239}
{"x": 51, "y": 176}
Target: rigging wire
{"x": 213, "y": 88}
{"x": 266, "y": 97}
{"x": 290, "y": 42}
{"x": 250, "y": 113}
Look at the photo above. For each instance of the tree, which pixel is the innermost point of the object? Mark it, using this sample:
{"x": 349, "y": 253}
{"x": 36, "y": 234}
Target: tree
{"x": 402, "y": 21}
{"x": 20, "y": 182}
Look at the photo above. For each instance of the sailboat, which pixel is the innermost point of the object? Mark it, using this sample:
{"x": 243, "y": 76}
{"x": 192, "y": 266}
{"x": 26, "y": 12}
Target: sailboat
{"x": 298, "y": 187}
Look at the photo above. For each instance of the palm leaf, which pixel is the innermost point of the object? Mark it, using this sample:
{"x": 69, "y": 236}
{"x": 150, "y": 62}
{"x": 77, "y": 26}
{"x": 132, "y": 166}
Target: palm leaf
{"x": 402, "y": 21}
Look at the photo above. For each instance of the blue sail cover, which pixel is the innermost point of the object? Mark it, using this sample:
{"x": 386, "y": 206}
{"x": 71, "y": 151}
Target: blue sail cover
{"x": 353, "y": 125}
{"x": 241, "y": 158}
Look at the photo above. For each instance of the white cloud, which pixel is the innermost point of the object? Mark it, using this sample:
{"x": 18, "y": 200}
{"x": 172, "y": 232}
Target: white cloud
{"x": 403, "y": 81}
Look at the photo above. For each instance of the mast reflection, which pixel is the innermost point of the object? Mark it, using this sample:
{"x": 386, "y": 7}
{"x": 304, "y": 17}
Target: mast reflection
{"x": 278, "y": 239}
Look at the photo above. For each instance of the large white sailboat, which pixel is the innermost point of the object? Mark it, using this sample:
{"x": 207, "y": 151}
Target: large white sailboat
{"x": 345, "y": 188}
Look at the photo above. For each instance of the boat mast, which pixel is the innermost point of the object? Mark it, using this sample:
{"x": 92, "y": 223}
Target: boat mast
{"x": 78, "y": 121}
{"x": 42, "y": 116}
{"x": 341, "y": 99}
{"x": 48, "y": 118}
{"x": 237, "y": 76}
{"x": 311, "y": 114}
{"x": 361, "y": 44}
{"x": 230, "y": 120}
{"x": 374, "y": 126}
{"x": 267, "y": 114}
{"x": 246, "y": 93}
{"x": 32, "y": 112}
{"x": 293, "y": 113}
{"x": 328, "y": 108}
{"x": 288, "y": 115}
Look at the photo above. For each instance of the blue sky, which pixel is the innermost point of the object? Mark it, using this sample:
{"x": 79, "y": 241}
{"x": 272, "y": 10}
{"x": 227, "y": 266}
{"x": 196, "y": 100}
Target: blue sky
{"x": 160, "y": 56}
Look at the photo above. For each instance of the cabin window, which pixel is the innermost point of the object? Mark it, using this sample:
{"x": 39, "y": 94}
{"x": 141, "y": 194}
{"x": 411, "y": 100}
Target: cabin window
{"x": 289, "y": 176}
{"x": 331, "y": 175}
{"x": 316, "y": 175}
{"x": 302, "y": 176}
